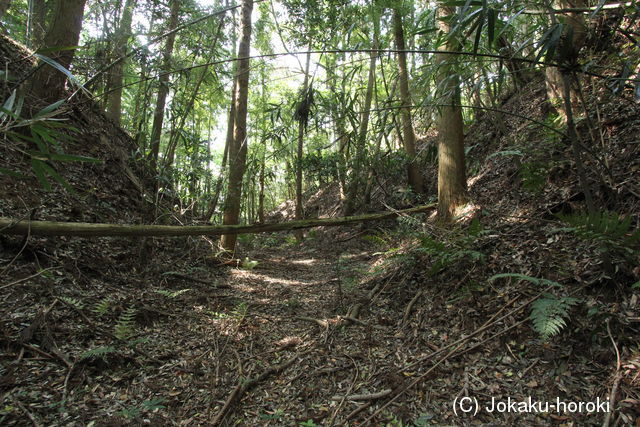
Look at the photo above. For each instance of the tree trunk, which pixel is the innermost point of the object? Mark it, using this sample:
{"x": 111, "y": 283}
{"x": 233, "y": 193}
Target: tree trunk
{"x": 228, "y": 140}
{"x": 361, "y": 142}
{"x": 302, "y": 124}
{"x": 408, "y": 135}
{"x": 163, "y": 89}
{"x": 238, "y": 150}
{"x": 4, "y": 6}
{"x": 566, "y": 53}
{"x": 452, "y": 183}
{"x": 47, "y": 83}
{"x": 121, "y": 39}
{"x": 261, "y": 188}
{"x": 36, "y": 21}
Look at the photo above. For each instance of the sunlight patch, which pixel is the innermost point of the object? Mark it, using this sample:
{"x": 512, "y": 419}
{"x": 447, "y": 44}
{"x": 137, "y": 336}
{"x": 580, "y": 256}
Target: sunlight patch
{"x": 309, "y": 261}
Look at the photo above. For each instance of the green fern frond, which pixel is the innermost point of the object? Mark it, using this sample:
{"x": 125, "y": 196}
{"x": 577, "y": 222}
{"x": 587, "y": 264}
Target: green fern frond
{"x": 171, "y": 294}
{"x": 534, "y": 280}
{"x": 98, "y": 352}
{"x": 376, "y": 240}
{"x": 73, "y": 302}
{"x": 125, "y": 325}
{"x": 102, "y": 307}
{"x": 549, "y": 314}
{"x": 601, "y": 226}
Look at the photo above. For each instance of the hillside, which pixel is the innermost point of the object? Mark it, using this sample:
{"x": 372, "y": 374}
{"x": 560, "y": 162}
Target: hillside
{"x": 386, "y": 323}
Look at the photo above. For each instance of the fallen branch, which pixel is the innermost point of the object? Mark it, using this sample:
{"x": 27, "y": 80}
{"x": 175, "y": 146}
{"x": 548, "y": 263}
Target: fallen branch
{"x": 245, "y": 386}
{"x": 616, "y": 381}
{"x": 83, "y": 229}
{"x": 364, "y": 397}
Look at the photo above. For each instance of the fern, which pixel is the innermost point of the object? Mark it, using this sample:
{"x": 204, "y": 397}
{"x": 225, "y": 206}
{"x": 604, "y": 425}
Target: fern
{"x": 534, "y": 280}
{"x": 101, "y": 307}
{"x": 549, "y": 314}
{"x": 125, "y": 324}
{"x": 72, "y": 302}
{"x": 98, "y": 352}
{"x": 171, "y": 294}
{"x": 605, "y": 227}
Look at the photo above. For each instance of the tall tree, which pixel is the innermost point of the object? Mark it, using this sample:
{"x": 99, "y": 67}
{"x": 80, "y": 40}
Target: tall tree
{"x": 48, "y": 83}
{"x": 120, "y": 40}
{"x": 361, "y": 141}
{"x": 163, "y": 89}
{"x": 238, "y": 150}
{"x": 408, "y": 134}
{"x": 302, "y": 115}
{"x": 452, "y": 184}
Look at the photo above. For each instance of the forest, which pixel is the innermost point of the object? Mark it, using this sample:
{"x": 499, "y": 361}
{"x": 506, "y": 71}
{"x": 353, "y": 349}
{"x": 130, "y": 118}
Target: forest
{"x": 320, "y": 213}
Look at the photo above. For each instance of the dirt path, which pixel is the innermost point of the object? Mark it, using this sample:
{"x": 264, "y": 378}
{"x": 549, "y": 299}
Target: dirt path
{"x": 264, "y": 344}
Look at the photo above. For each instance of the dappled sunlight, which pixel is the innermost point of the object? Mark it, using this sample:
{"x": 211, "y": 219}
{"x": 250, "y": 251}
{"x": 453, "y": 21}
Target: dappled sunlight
{"x": 269, "y": 279}
{"x": 310, "y": 261}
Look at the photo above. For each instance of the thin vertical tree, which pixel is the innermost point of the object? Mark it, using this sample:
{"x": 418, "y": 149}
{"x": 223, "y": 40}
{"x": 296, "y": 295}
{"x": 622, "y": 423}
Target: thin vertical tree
{"x": 238, "y": 150}
{"x": 361, "y": 141}
{"x": 452, "y": 186}
{"x": 408, "y": 134}
{"x": 163, "y": 89}
{"x": 302, "y": 115}
{"x": 48, "y": 83}
{"x": 120, "y": 39}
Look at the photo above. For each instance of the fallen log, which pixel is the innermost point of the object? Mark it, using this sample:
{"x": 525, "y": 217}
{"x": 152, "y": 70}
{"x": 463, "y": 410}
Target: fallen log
{"x": 83, "y": 229}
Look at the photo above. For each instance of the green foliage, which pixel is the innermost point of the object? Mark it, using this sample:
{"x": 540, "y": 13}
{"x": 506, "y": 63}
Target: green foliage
{"x": 534, "y": 176}
{"x": 534, "y": 280}
{"x": 459, "y": 247}
{"x": 125, "y": 324}
{"x": 43, "y": 144}
{"x": 102, "y": 307}
{"x": 278, "y": 414}
{"x": 549, "y": 314}
{"x": 607, "y": 228}
{"x": 171, "y": 294}
{"x": 146, "y": 406}
{"x": 98, "y": 352}
{"x": 72, "y": 301}
{"x": 615, "y": 235}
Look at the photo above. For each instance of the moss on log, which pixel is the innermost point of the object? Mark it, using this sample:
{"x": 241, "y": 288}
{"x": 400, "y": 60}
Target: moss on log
{"x": 83, "y": 229}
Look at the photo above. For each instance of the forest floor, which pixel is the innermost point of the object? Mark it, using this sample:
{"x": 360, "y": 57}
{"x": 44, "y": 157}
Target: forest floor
{"x": 275, "y": 340}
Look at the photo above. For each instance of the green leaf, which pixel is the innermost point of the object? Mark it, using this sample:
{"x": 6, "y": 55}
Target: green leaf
{"x": 49, "y": 109}
{"x": 8, "y": 104}
{"x": 38, "y": 169}
{"x": 491, "y": 24}
{"x": 476, "y": 41}
{"x": 73, "y": 158}
{"x": 54, "y": 174}
{"x": 14, "y": 174}
{"x": 509, "y": 22}
{"x": 60, "y": 68}
{"x": 518, "y": 276}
